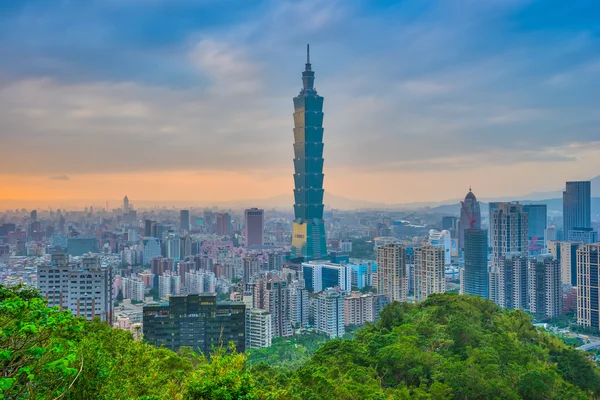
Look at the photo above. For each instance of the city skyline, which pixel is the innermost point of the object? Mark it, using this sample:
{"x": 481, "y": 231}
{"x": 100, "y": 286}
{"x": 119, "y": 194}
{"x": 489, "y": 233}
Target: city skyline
{"x": 436, "y": 96}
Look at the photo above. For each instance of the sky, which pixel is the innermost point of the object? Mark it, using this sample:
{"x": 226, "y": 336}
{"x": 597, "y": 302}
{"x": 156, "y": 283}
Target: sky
{"x": 191, "y": 100}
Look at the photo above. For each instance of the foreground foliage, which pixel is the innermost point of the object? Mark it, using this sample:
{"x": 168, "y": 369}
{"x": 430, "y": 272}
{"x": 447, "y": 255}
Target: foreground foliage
{"x": 448, "y": 347}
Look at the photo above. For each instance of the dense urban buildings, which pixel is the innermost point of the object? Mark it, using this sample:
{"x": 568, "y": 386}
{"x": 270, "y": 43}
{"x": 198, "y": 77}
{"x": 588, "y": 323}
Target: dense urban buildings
{"x": 308, "y": 240}
{"x": 392, "y": 280}
{"x": 470, "y": 217}
{"x": 361, "y": 308}
{"x": 430, "y": 274}
{"x": 196, "y": 321}
{"x": 255, "y": 225}
{"x": 512, "y": 281}
{"x": 223, "y": 224}
{"x": 577, "y": 212}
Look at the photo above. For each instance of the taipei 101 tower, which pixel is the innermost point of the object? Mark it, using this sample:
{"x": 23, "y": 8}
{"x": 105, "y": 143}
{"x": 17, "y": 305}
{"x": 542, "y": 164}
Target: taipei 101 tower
{"x": 308, "y": 240}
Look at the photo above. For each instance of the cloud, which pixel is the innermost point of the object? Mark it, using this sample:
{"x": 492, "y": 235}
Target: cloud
{"x": 59, "y": 178}
{"x": 188, "y": 86}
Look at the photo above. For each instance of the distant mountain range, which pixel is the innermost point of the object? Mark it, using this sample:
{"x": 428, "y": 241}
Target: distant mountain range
{"x": 285, "y": 201}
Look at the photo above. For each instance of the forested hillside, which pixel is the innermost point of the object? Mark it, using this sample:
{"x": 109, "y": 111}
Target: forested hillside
{"x": 449, "y": 347}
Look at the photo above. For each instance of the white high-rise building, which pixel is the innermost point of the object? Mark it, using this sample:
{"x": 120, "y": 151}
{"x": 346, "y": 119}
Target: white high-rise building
{"x": 361, "y": 308}
{"x": 430, "y": 271}
{"x": 258, "y": 328}
{"x": 329, "y": 313}
{"x": 168, "y": 284}
{"x": 132, "y": 288}
{"x": 173, "y": 246}
{"x": 566, "y": 254}
{"x": 442, "y": 239}
{"x": 392, "y": 279}
{"x": 200, "y": 282}
{"x": 85, "y": 289}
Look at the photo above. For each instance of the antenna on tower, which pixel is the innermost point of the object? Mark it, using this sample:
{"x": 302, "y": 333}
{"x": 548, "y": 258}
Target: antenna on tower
{"x": 308, "y": 53}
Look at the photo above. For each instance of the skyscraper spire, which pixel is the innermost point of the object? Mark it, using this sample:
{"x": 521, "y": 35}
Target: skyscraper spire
{"x": 308, "y": 76}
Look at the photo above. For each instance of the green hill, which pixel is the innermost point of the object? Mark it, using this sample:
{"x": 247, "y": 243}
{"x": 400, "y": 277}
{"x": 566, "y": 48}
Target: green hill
{"x": 448, "y": 347}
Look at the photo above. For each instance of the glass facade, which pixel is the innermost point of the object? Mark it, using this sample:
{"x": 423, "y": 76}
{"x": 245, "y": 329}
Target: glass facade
{"x": 197, "y": 321}
{"x": 476, "y": 263}
{"x": 308, "y": 240}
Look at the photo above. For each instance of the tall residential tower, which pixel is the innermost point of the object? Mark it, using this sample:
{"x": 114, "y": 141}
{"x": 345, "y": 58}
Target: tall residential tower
{"x": 308, "y": 240}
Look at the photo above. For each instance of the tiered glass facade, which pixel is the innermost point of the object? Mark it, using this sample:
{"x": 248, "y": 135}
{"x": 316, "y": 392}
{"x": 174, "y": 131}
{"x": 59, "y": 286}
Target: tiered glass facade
{"x": 308, "y": 239}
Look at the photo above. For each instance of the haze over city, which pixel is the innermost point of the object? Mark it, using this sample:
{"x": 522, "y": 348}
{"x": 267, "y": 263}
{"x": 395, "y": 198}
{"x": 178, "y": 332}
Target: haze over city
{"x": 189, "y": 101}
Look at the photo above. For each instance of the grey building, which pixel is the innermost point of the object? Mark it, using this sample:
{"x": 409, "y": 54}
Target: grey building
{"x": 538, "y": 222}
{"x": 577, "y": 211}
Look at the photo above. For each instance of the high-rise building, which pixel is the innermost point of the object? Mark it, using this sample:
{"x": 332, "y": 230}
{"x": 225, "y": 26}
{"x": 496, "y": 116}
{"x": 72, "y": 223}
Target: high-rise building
{"x": 430, "y": 274}
{"x": 566, "y": 254}
{"x": 84, "y": 288}
{"x": 132, "y": 288}
{"x": 329, "y": 313}
{"x": 250, "y": 267}
{"x": 577, "y": 202}
{"x": 33, "y": 216}
{"x": 272, "y": 294}
{"x": 258, "y": 329}
{"x": 308, "y": 239}
{"x": 545, "y": 288}
{"x": 173, "y": 246}
{"x": 321, "y": 275}
{"x": 275, "y": 261}
{"x": 470, "y": 217}
{"x": 538, "y": 222}
{"x": 361, "y": 308}
{"x": 125, "y": 205}
{"x": 223, "y": 224}
{"x": 196, "y": 321}
{"x": 201, "y": 282}
{"x": 169, "y": 284}
{"x": 492, "y": 208}
{"x": 449, "y": 223}
{"x": 512, "y": 281}
{"x": 255, "y": 227}
{"x": 443, "y": 240}
{"x": 475, "y": 278}
{"x": 298, "y": 305}
{"x": 588, "y": 286}
{"x": 392, "y": 279}
{"x": 510, "y": 234}
{"x": 184, "y": 220}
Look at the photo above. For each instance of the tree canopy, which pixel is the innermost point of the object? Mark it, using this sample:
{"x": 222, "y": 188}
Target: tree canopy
{"x": 447, "y": 347}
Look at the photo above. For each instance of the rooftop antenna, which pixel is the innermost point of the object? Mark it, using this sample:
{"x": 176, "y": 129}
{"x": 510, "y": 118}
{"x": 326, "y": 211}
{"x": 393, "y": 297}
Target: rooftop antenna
{"x": 308, "y": 53}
